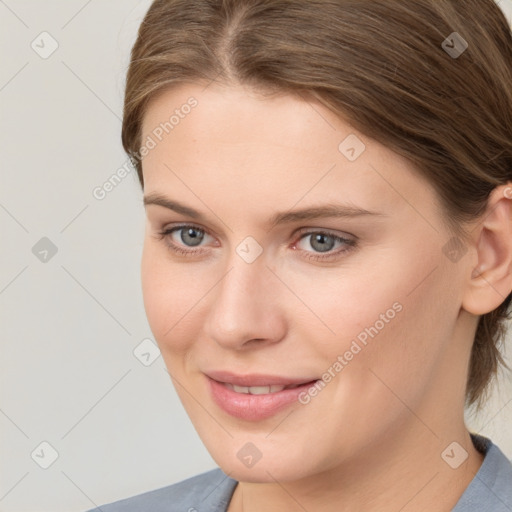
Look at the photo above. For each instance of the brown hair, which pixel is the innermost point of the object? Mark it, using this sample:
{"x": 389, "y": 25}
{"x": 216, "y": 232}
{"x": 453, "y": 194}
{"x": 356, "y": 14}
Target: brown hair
{"x": 384, "y": 65}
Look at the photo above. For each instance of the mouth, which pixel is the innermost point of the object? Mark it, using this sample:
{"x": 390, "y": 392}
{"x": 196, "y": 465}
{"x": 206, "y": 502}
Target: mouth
{"x": 255, "y": 397}
{"x": 262, "y": 390}
{"x": 258, "y": 384}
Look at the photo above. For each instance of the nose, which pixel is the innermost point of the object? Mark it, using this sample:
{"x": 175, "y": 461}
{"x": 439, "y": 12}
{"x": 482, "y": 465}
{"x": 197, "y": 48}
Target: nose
{"x": 245, "y": 309}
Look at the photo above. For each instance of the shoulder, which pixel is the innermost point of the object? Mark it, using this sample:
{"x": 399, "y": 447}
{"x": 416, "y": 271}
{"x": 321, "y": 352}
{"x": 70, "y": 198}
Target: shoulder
{"x": 210, "y": 491}
{"x": 491, "y": 488}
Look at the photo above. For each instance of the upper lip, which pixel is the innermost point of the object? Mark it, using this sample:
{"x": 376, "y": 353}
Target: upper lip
{"x": 254, "y": 379}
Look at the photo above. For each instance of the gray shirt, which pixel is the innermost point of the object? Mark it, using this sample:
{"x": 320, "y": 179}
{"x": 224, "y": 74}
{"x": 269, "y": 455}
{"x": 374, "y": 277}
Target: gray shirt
{"x": 489, "y": 491}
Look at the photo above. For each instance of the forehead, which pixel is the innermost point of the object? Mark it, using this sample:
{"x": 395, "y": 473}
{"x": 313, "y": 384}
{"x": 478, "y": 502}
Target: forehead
{"x": 282, "y": 149}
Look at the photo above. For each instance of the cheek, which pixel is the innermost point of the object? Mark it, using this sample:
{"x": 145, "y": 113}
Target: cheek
{"x": 166, "y": 294}
{"x": 174, "y": 296}
{"x": 404, "y": 357}
{"x": 395, "y": 317}
{"x": 352, "y": 301}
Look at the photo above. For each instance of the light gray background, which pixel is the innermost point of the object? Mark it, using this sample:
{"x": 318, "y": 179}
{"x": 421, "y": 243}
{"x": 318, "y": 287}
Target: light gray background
{"x": 70, "y": 324}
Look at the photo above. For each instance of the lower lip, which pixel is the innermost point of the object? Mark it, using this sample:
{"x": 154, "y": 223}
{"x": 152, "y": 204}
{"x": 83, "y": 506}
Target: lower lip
{"x": 254, "y": 407}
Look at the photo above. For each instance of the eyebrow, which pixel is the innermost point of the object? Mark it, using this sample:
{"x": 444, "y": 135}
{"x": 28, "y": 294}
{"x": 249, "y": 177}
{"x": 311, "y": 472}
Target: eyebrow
{"x": 318, "y": 212}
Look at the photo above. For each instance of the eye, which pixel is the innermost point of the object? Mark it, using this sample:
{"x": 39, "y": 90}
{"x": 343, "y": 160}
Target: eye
{"x": 178, "y": 238}
{"x": 323, "y": 244}
{"x": 186, "y": 240}
{"x": 320, "y": 242}
{"x": 190, "y": 236}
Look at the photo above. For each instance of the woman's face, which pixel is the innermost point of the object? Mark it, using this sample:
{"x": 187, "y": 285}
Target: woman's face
{"x": 295, "y": 254}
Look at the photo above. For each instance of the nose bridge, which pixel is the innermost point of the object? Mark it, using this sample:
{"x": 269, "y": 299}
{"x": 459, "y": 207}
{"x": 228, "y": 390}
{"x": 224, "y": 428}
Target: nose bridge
{"x": 243, "y": 306}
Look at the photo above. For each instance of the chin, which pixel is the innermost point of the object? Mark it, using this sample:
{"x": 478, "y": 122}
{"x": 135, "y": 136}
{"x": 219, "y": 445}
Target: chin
{"x": 275, "y": 464}
{"x": 263, "y": 473}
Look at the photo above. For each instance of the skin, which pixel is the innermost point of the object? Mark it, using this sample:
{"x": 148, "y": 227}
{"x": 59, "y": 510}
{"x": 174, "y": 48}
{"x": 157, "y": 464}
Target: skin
{"x": 372, "y": 439}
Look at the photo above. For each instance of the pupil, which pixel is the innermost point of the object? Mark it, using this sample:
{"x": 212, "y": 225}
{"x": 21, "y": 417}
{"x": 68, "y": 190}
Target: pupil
{"x": 319, "y": 242}
{"x": 191, "y": 236}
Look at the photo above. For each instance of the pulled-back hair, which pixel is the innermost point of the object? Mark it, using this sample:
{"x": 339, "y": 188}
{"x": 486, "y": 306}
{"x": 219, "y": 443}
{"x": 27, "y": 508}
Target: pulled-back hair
{"x": 392, "y": 68}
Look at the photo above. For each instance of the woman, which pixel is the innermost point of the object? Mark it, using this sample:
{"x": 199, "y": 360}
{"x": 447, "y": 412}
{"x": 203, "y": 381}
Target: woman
{"x": 327, "y": 264}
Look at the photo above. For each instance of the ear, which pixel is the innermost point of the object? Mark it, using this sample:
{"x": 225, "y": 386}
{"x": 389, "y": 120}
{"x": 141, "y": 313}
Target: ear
{"x": 491, "y": 279}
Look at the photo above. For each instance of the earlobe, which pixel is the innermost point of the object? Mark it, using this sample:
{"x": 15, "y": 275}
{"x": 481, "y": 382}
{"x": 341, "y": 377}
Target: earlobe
{"x": 491, "y": 278}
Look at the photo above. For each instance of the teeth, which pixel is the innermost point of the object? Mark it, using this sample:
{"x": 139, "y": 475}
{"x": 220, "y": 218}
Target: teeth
{"x": 259, "y": 390}
{"x": 241, "y": 389}
{"x": 256, "y": 390}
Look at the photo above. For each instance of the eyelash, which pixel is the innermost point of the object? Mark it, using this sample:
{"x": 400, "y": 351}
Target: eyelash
{"x": 350, "y": 244}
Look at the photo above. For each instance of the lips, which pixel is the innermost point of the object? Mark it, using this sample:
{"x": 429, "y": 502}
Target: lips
{"x": 256, "y": 380}
{"x": 255, "y": 397}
